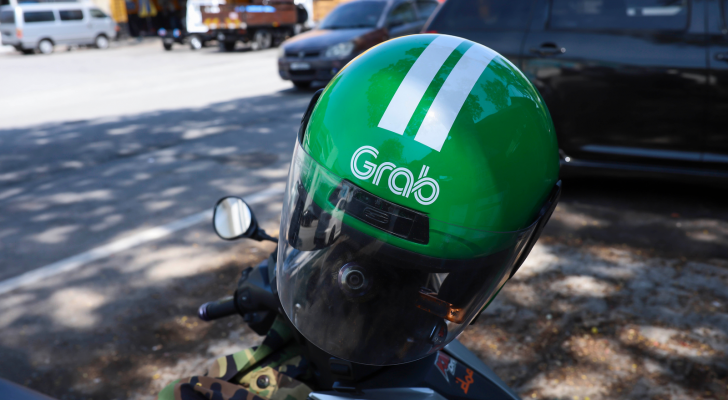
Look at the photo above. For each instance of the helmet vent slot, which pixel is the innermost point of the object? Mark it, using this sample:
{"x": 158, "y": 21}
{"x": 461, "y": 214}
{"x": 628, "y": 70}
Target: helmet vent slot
{"x": 382, "y": 214}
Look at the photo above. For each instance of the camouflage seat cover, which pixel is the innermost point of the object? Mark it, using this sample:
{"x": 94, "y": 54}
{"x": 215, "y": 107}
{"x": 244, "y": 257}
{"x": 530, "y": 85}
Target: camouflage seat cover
{"x": 272, "y": 371}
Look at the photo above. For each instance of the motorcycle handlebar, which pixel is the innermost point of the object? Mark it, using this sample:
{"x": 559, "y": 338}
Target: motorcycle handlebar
{"x": 217, "y": 309}
{"x": 246, "y": 300}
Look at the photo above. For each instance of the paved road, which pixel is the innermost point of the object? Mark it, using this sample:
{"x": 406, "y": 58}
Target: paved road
{"x": 95, "y": 146}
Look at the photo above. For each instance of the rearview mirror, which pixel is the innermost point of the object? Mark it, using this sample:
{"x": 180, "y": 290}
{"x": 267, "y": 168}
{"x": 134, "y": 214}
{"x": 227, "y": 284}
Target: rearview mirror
{"x": 233, "y": 219}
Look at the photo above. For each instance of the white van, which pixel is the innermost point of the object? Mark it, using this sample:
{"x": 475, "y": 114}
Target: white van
{"x": 41, "y": 26}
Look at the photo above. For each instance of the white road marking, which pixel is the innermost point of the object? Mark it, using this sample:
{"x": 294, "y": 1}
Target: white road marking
{"x": 415, "y": 83}
{"x": 79, "y": 260}
{"x": 451, "y": 97}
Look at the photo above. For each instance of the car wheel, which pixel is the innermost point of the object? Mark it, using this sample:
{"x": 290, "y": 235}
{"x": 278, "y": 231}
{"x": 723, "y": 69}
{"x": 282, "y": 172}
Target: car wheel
{"x": 262, "y": 40}
{"x": 302, "y": 84}
{"x": 167, "y": 46}
{"x": 45, "y": 46}
{"x": 101, "y": 42}
{"x": 195, "y": 42}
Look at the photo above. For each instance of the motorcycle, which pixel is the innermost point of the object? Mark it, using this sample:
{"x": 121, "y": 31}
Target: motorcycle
{"x": 452, "y": 373}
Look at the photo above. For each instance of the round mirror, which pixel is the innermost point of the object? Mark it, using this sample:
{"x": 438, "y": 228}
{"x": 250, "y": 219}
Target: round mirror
{"x": 232, "y": 218}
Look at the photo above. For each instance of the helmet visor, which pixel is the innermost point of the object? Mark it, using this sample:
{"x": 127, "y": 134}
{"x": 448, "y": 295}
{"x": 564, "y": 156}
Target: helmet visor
{"x": 352, "y": 291}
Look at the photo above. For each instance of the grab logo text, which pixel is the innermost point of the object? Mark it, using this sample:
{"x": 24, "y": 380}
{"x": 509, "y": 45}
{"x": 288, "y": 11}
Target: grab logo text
{"x": 368, "y": 169}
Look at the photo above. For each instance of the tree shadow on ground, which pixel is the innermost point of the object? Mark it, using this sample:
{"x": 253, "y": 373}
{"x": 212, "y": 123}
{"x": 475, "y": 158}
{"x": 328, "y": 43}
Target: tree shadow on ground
{"x": 108, "y": 333}
{"x": 624, "y": 298}
{"x": 68, "y": 187}
{"x": 653, "y": 217}
{"x": 604, "y": 323}
{"x": 105, "y": 329}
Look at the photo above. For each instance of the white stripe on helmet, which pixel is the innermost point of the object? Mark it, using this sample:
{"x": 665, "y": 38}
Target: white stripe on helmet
{"x": 451, "y": 97}
{"x": 415, "y": 83}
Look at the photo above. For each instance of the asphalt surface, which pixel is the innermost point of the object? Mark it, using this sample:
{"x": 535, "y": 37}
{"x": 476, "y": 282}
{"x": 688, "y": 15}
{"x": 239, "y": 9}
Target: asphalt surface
{"x": 97, "y": 147}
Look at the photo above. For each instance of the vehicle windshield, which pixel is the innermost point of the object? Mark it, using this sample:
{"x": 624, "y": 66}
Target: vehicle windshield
{"x": 361, "y": 14}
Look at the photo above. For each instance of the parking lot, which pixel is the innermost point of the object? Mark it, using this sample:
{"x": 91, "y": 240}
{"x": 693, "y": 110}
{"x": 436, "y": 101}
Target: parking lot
{"x": 109, "y": 161}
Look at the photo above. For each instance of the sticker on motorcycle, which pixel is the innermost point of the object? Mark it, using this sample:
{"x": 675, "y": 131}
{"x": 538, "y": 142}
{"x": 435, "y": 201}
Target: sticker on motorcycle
{"x": 445, "y": 365}
{"x": 465, "y": 384}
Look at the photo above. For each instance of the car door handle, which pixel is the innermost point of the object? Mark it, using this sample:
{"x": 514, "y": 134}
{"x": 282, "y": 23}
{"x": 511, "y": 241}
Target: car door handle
{"x": 548, "y": 49}
{"x": 721, "y": 57}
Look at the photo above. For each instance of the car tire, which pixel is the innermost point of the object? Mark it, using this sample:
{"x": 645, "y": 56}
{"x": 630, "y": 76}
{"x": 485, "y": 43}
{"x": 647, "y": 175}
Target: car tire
{"x": 262, "y": 40}
{"x": 302, "y": 84}
{"x": 45, "y": 46}
{"x": 195, "y": 42}
{"x": 167, "y": 46}
{"x": 101, "y": 42}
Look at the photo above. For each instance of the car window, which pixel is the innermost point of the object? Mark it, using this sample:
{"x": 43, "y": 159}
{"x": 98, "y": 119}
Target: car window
{"x": 426, "y": 7}
{"x": 402, "y": 14}
{"x": 71, "y": 15}
{"x": 361, "y": 14}
{"x": 38, "y": 16}
{"x": 482, "y": 15}
{"x": 96, "y": 13}
{"x": 4, "y": 2}
{"x": 7, "y": 17}
{"x": 619, "y": 14}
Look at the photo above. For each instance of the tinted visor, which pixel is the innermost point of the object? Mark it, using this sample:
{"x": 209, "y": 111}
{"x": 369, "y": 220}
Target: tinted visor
{"x": 350, "y": 290}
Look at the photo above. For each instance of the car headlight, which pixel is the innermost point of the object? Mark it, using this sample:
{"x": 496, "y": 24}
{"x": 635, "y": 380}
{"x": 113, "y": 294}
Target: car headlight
{"x": 340, "y": 50}
{"x": 281, "y": 52}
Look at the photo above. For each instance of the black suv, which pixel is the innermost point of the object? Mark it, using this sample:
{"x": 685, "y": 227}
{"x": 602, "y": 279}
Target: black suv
{"x": 632, "y": 85}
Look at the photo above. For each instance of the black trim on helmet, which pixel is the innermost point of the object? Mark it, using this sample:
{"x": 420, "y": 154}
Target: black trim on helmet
{"x": 307, "y": 115}
{"x": 543, "y": 217}
{"x": 541, "y": 220}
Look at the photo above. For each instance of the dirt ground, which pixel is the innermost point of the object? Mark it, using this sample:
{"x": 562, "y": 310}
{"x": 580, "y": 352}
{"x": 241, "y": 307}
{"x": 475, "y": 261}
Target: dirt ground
{"x": 603, "y": 323}
{"x": 625, "y": 297}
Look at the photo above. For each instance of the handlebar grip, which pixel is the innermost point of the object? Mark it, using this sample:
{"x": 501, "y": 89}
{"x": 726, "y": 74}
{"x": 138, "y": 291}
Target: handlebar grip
{"x": 217, "y": 309}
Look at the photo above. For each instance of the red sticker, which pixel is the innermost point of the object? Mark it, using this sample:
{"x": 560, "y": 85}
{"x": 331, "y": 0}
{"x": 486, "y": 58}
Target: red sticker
{"x": 446, "y": 365}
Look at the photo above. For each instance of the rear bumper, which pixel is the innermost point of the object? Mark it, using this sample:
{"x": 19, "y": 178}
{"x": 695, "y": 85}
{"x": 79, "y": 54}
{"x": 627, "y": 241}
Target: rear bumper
{"x": 20, "y": 44}
{"x": 9, "y": 40}
{"x": 204, "y": 36}
{"x": 230, "y": 35}
{"x": 170, "y": 39}
{"x": 319, "y": 69}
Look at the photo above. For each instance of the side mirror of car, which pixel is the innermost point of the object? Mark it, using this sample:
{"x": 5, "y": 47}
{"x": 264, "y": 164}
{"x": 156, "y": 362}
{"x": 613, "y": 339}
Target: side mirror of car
{"x": 233, "y": 219}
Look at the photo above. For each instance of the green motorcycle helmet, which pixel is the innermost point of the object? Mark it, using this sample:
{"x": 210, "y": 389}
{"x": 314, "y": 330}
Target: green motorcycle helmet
{"x": 422, "y": 176}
